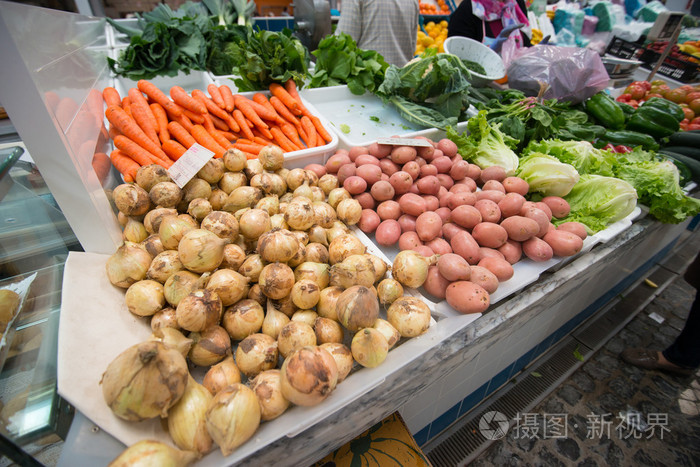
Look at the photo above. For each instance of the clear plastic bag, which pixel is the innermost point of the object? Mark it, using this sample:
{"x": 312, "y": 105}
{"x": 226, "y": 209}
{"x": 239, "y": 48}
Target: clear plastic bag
{"x": 570, "y": 73}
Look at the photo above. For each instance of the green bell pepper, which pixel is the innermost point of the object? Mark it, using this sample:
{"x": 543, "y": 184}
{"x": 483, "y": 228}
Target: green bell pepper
{"x": 606, "y": 111}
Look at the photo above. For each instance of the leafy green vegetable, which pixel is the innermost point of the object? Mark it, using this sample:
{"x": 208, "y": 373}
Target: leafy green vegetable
{"x": 474, "y": 66}
{"x": 547, "y": 175}
{"x": 485, "y": 145}
{"x": 581, "y": 154}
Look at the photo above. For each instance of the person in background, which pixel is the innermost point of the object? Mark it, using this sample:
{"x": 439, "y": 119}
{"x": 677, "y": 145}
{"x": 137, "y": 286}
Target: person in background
{"x": 388, "y": 26}
{"x": 489, "y": 21}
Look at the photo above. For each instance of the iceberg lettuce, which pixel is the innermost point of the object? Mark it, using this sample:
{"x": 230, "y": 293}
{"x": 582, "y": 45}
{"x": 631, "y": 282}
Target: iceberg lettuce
{"x": 581, "y": 154}
{"x": 547, "y": 175}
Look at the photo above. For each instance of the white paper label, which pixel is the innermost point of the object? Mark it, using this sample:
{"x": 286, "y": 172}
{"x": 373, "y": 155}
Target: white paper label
{"x": 656, "y": 317}
{"x": 404, "y": 142}
{"x": 191, "y": 162}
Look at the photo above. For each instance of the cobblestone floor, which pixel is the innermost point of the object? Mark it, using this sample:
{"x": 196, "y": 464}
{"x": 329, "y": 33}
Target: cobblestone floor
{"x": 606, "y": 385}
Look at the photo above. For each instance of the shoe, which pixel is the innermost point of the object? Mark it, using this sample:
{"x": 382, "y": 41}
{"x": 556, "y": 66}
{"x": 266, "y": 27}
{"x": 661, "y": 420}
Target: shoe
{"x": 649, "y": 359}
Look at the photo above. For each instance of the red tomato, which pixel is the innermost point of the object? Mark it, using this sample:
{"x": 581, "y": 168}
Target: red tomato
{"x": 633, "y": 103}
{"x": 636, "y": 91}
{"x": 676, "y": 95}
{"x": 691, "y": 96}
{"x": 645, "y": 84}
{"x": 609, "y": 147}
{"x": 683, "y": 126}
{"x": 693, "y": 126}
{"x": 695, "y": 120}
{"x": 654, "y": 94}
{"x": 621, "y": 149}
{"x": 624, "y": 97}
{"x": 686, "y": 88}
{"x": 695, "y": 105}
{"x": 689, "y": 114}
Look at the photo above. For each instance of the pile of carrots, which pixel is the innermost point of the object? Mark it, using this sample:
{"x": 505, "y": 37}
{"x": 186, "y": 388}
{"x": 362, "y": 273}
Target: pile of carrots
{"x": 149, "y": 127}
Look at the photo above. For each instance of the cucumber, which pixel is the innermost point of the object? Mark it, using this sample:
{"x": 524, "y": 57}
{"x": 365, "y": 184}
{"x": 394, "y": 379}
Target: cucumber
{"x": 692, "y": 164}
{"x": 688, "y": 151}
{"x": 685, "y": 138}
{"x": 685, "y": 173}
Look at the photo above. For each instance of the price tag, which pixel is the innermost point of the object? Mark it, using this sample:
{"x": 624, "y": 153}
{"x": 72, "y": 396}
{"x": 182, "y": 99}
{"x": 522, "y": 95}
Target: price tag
{"x": 404, "y": 142}
{"x": 191, "y": 162}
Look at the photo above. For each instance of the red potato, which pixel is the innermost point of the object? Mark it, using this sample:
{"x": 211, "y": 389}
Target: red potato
{"x": 369, "y": 220}
{"x": 366, "y": 201}
{"x": 457, "y": 157}
{"x": 424, "y": 250}
{"x": 441, "y": 194}
{"x": 466, "y": 216}
{"x": 485, "y": 278}
{"x": 445, "y": 199}
{"x": 348, "y": 170}
{"x": 431, "y": 202}
{"x": 412, "y": 204}
{"x": 511, "y": 204}
{"x": 489, "y": 234}
{"x": 388, "y": 232}
{"x": 382, "y": 191}
{"x": 429, "y": 185}
{"x": 428, "y": 226}
{"x": 460, "y": 187}
{"x": 486, "y": 252}
{"x": 385, "y": 177}
{"x": 544, "y": 208}
{"x": 318, "y": 169}
{"x": 537, "y": 249}
{"x": 512, "y": 251}
{"x": 558, "y": 205}
{"x": 443, "y": 164}
{"x": 459, "y": 170}
{"x": 421, "y": 162}
{"x": 494, "y": 172}
{"x": 407, "y": 222}
{"x": 468, "y": 182}
{"x": 563, "y": 243}
{"x": 451, "y": 229}
{"x": 426, "y": 152}
{"x": 403, "y": 154}
{"x": 357, "y": 151}
{"x": 527, "y": 205}
{"x": 474, "y": 172}
{"x": 493, "y": 195}
{"x": 467, "y": 297}
{"x": 437, "y": 153}
{"x": 489, "y": 210}
{"x": 364, "y": 159}
{"x": 445, "y": 214}
{"x": 428, "y": 169}
{"x": 445, "y": 181}
{"x": 440, "y": 246}
{"x": 516, "y": 185}
{"x": 520, "y": 228}
{"x": 493, "y": 185}
{"x": 448, "y": 147}
{"x": 413, "y": 169}
{"x": 379, "y": 151}
{"x": 460, "y": 199}
{"x": 500, "y": 268}
{"x": 370, "y": 173}
{"x": 435, "y": 284}
{"x": 453, "y": 267}
{"x": 336, "y": 161}
{"x": 414, "y": 189}
{"x": 355, "y": 185}
{"x": 574, "y": 227}
{"x": 401, "y": 181}
{"x": 388, "y": 167}
{"x": 551, "y": 228}
{"x": 465, "y": 246}
{"x": 409, "y": 241}
{"x": 389, "y": 209}
{"x": 540, "y": 217}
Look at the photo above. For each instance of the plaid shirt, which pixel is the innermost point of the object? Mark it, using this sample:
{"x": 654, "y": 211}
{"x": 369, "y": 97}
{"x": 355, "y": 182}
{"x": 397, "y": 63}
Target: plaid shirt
{"x": 388, "y": 26}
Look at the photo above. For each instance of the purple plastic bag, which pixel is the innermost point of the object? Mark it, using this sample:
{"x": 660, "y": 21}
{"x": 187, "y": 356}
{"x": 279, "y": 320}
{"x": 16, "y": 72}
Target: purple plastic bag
{"x": 571, "y": 74}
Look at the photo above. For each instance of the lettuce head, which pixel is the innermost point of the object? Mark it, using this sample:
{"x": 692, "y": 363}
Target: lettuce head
{"x": 580, "y": 154}
{"x": 547, "y": 175}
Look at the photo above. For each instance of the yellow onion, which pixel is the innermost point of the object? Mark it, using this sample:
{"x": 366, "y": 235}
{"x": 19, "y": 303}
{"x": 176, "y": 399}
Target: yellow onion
{"x": 212, "y": 171}
{"x": 293, "y": 336}
{"x": 153, "y": 218}
{"x": 127, "y": 265}
{"x": 233, "y": 257}
{"x": 148, "y": 176}
{"x": 313, "y": 178}
{"x": 411, "y": 268}
{"x": 148, "y": 453}
{"x": 254, "y": 223}
{"x": 198, "y": 310}
{"x": 354, "y": 270}
{"x": 232, "y": 180}
{"x": 209, "y": 346}
{"x": 144, "y": 298}
{"x": 252, "y": 168}
{"x": 299, "y": 213}
{"x": 390, "y": 333}
{"x": 349, "y": 211}
{"x": 173, "y": 338}
{"x": 217, "y": 199}
{"x": 304, "y": 191}
{"x": 317, "y": 253}
{"x": 196, "y": 188}
{"x": 223, "y": 374}
{"x": 389, "y": 290}
{"x": 171, "y": 231}
{"x": 305, "y": 293}
{"x": 180, "y": 284}
{"x": 222, "y": 223}
{"x": 144, "y": 381}
{"x": 326, "y": 302}
{"x": 337, "y": 230}
{"x": 243, "y": 319}
{"x": 342, "y": 356}
{"x": 409, "y": 315}
{"x": 301, "y": 236}
{"x": 317, "y": 234}
{"x": 242, "y": 197}
{"x": 134, "y": 231}
{"x": 255, "y": 293}
{"x": 308, "y": 376}
{"x": 131, "y": 199}
{"x": 153, "y": 245}
{"x": 165, "y": 194}
{"x": 201, "y": 250}
{"x": 252, "y": 267}
{"x": 266, "y": 385}
{"x": 286, "y": 198}
{"x": 277, "y": 245}
{"x": 380, "y": 267}
{"x": 189, "y": 219}
{"x": 336, "y": 195}
{"x": 284, "y": 305}
{"x": 324, "y": 214}
{"x": 274, "y": 322}
{"x": 317, "y": 194}
{"x": 256, "y": 353}
{"x": 327, "y": 183}
{"x": 269, "y": 204}
{"x": 186, "y": 419}
{"x": 369, "y": 347}
{"x": 357, "y": 308}
{"x": 164, "y": 318}
{"x": 122, "y": 218}
{"x": 296, "y": 178}
{"x": 271, "y": 157}
{"x": 272, "y": 184}
{"x": 343, "y": 246}
{"x": 277, "y": 222}
{"x": 164, "y": 265}
{"x": 234, "y": 160}
{"x": 229, "y": 285}
{"x": 276, "y": 280}
{"x": 305, "y": 316}
{"x": 299, "y": 257}
{"x": 233, "y": 417}
{"x": 199, "y": 208}
{"x": 327, "y": 330}
{"x": 316, "y": 272}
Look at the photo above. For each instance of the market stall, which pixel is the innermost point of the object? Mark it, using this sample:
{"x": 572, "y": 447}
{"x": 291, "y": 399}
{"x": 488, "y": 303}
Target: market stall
{"x": 459, "y": 357}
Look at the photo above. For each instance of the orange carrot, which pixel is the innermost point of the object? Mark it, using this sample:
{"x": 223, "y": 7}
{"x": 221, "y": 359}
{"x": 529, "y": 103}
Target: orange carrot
{"x": 179, "y": 132}
{"x": 291, "y": 87}
{"x": 216, "y": 96}
{"x": 229, "y": 135}
{"x": 221, "y": 139}
{"x": 244, "y": 128}
{"x": 124, "y": 164}
{"x": 113, "y": 131}
{"x": 152, "y": 91}
{"x": 227, "y": 94}
{"x": 260, "y": 110}
{"x": 208, "y": 124}
{"x": 184, "y": 121}
{"x": 244, "y": 106}
{"x": 283, "y": 111}
{"x": 283, "y": 141}
{"x": 126, "y": 105}
{"x": 263, "y": 100}
{"x": 291, "y": 132}
{"x": 320, "y": 129}
{"x": 173, "y": 149}
{"x": 141, "y": 112}
{"x": 214, "y": 109}
{"x": 111, "y": 96}
{"x": 252, "y": 148}
{"x": 219, "y": 124}
{"x": 131, "y": 130}
{"x": 137, "y": 153}
{"x": 310, "y": 131}
{"x": 183, "y": 99}
{"x": 281, "y": 93}
{"x": 202, "y": 136}
{"x": 162, "y": 120}
{"x": 263, "y": 141}
{"x": 194, "y": 118}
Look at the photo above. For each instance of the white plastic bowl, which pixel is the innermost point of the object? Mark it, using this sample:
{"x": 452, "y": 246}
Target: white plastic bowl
{"x": 469, "y": 49}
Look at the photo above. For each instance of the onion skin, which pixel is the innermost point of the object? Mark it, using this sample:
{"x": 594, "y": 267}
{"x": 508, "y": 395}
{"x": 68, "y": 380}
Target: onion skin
{"x": 223, "y": 224}
{"x": 131, "y": 199}
{"x": 243, "y": 319}
{"x": 145, "y": 298}
{"x": 268, "y": 388}
{"x": 210, "y": 346}
{"x": 148, "y": 453}
{"x": 327, "y": 301}
{"x": 369, "y": 347}
{"x": 342, "y": 356}
{"x": 305, "y": 294}
{"x": 328, "y": 330}
{"x": 411, "y": 268}
{"x": 173, "y": 339}
{"x": 186, "y": 424}
{"x": 276, "y": 280}
{"x": 308, "y": 376}
{"x": 201, "y": 250}
{"x": 388, "y": 291}
{"x": 127, "y": 265}
{"x": 354, "y": 270}
{"x": 293, "y": 336}
{"x": 410, "y": 316}
{"x": 229, "y": 285}
{"x": 256, "y": 353}
{"x": 199, "y": 310}
{"x": 343, "y": 246}
{"x": 144, "y": 381}
{"x": 164, "y": 265}
{"x": 223, "y": 374}
{"x": 316, "y": 272}
{"x": 357, "y": 308}
{"x": 164, "y": 318}
{"x": 181, "y": 284}
{"x": 148, "y": 176}
{"x": 233, "y": 417}
{"x": 390, "y": 333}
{"x": 278, "y": 245}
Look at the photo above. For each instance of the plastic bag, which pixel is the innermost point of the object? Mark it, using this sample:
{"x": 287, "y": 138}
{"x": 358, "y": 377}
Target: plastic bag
{"x": 571, "y": 74}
